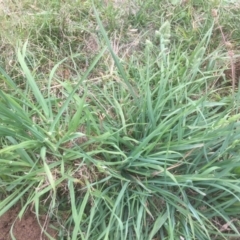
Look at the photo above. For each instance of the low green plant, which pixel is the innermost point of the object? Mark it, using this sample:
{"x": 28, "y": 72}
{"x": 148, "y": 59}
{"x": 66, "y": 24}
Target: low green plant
{"x": 147, "y": 153}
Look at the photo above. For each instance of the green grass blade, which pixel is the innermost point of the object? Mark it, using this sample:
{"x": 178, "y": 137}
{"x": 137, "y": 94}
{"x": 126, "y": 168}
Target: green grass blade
{"x": 115, "y": 58}
{"x": 31, "y": 81}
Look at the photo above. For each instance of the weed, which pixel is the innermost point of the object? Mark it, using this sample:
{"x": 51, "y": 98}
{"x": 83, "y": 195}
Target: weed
{"x": 118, "y": 143}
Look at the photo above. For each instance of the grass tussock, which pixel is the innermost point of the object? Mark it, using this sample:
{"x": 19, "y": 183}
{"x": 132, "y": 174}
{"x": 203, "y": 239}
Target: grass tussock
{"x": 122, "y": 123}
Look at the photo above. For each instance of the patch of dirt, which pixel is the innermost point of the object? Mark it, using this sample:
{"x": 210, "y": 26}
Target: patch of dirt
{"x": 25, "y": 229}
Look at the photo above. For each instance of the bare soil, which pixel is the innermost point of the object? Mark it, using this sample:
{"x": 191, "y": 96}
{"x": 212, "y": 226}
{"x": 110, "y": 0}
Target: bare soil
{"x": 25, "y": 229}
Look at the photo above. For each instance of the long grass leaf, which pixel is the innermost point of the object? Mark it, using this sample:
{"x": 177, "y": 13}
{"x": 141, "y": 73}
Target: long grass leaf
{"x": 31, "y": 81}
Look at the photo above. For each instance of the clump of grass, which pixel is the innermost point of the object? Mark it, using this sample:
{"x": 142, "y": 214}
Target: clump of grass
{"x": 146, "y": 153}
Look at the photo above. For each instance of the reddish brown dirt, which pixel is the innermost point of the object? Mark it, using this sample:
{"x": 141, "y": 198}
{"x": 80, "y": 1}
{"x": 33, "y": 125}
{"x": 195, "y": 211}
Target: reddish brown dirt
{"x": 25, "y": 229}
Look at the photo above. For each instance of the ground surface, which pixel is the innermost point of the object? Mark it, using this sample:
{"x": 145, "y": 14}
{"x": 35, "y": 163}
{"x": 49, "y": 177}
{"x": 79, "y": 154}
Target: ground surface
{"x": 27, "y": 228}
